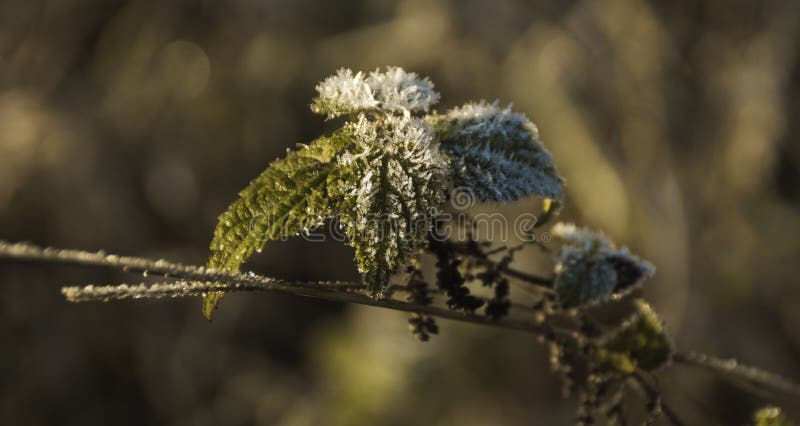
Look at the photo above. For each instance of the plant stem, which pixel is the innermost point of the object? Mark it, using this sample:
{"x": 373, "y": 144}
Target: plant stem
{"x": 202, "y": 280}
{"x": 735, "y": 369}
{"x": 466, "y": 249}
{"x": 196, "y": 280}
{"x": 653, "y": 394}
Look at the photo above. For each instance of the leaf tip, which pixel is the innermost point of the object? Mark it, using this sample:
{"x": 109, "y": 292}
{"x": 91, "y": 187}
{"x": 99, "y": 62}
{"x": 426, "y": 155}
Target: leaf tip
{"x": 210, "y": 302}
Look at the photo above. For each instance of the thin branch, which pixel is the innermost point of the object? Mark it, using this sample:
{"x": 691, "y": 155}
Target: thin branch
{"x": 326, "y": 290}
{"x": 161, "y": 290}
{"x": 732, "y": 368}
{"x": 194, "y": 280}
{"x": 529, "y": 278}
{"x": 653, "y": 395}
{"x": 465, "y": 249}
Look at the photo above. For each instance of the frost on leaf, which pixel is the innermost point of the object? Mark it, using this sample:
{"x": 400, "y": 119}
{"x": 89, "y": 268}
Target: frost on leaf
{"x": 392, "y": 91}
{"x": 497, "y": 153}
{"x": 582, "y": 277}
{"x": 401, "y": 91}
{"x": 591, "y": 269}
{"x": 344, "y": 93}
{"x": 382, "y": 179}
{"x": 286, "y": 198}
{"x": 392, "y": 180}
{"x": 640, "y": 343}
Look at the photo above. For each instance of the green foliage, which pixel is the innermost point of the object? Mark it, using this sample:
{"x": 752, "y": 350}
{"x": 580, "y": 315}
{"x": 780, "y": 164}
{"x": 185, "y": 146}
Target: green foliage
{"x": 382, "y": 175}
{"x": 770, "y": 416}
{"x": 639, "y": 344}
{"x": 288, "y": 197}
{"x": 381, "y": 179}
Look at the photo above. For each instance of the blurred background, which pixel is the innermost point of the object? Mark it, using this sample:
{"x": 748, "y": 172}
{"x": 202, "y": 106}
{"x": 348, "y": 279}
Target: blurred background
{"x": 130, "y": 125}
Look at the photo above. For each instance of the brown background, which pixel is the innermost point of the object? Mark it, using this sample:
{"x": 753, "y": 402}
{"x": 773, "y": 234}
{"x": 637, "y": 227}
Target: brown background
{"x": 130, "y": 125}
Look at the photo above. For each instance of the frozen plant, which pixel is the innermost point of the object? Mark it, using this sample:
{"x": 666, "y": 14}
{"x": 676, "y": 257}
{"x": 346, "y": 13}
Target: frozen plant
{"x": 384, "y": 175}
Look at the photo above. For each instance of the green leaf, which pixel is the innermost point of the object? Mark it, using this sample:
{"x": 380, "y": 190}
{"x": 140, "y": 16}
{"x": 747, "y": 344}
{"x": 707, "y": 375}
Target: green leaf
{"x": 497, "y": 154}
{"x": 771, "y": 416}
{"x": 382, "y": 178}
{"x": 640, "y": 344}
{"x": 288, "y": 197}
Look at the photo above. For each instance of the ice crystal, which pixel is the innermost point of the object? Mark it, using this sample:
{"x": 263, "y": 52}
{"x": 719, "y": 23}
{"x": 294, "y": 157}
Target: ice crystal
{"x": 497, "y": 153}
{"x": 591, "y": 269}
{"x": 343, "y": 93}
{"x": 401, "y": 91}
{"x": 392, "y": 91}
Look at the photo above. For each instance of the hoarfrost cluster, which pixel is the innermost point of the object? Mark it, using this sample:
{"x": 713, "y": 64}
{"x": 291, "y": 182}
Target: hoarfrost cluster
{"x": 394, "y": 90}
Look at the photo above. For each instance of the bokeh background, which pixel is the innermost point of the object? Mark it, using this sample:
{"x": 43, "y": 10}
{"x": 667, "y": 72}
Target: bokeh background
{"x": 130, "y": 125}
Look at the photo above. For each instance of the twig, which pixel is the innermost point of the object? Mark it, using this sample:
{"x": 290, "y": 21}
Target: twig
{"x": 195, "y": 280}
{"x": 326, "y": 290}
{"x": 653, "y": 395}
{"x": 105, "y": 293}
{"x": 733, "y": 368}
{"x": 465, "y": 249}
{"x": 161, "y": 290}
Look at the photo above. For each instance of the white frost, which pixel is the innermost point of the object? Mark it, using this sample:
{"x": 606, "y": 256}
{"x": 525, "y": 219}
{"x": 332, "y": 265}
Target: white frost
{"x": 392, "y": 91}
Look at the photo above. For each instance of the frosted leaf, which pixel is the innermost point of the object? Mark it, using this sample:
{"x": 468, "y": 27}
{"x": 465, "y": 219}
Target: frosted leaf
{"x": 639, "y": 344}
{"x": 401, "y": 180}
{"x": 591, "y": 269}
{"x": 582, "y": 277}
{"x": 496, "y": 153}
{"x": 343, "y": 93}
{"x": 392, "y": 91}
{"x": 401, "y": 91}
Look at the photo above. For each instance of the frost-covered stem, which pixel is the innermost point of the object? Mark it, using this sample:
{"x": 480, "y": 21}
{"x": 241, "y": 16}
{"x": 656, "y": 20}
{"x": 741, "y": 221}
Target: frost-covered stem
{"x": 732, "y": 368}
{"x": 104, "y": 293}
{"x": 194, "y": 280}
{"x": 337, "y": 291}
{"x": 24, "y": 251}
